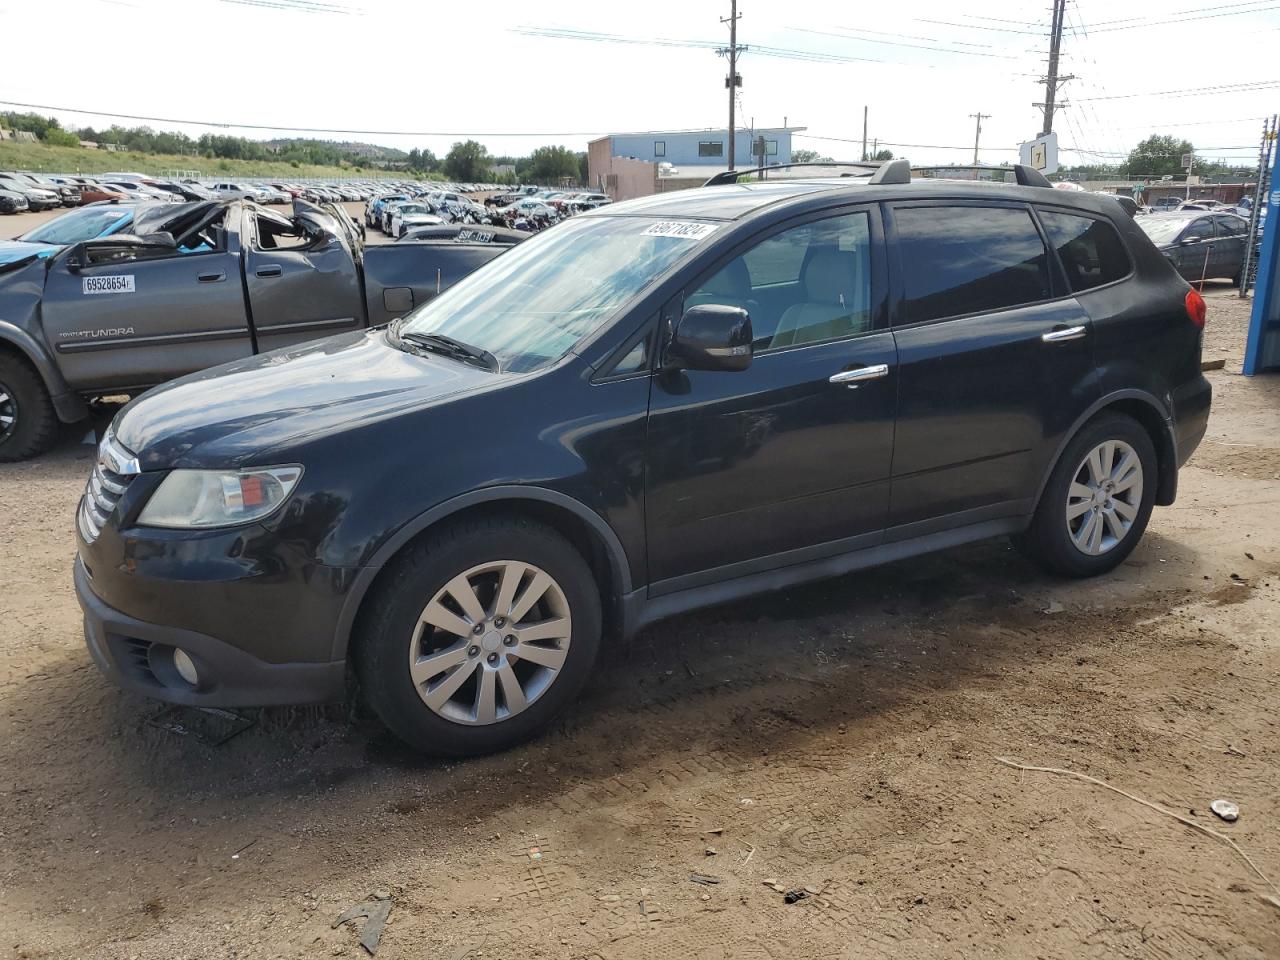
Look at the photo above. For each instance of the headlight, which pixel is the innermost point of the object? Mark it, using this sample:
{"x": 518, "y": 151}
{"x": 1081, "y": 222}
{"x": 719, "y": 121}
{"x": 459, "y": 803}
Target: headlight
{"x": 216, "y": 498}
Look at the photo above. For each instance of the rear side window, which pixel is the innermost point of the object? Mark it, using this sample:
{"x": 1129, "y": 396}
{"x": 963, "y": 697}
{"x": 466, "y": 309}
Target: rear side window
{"x": 1230, "y": 226}
{"x": 961, "y": 260}
{"x": 1090, "y": 250}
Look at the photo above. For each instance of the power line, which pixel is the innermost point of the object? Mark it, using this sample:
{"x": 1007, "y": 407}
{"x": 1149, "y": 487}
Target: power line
{"x": 1257, "y": 85}
{"x": 894, "y": 43}
{"x": 783, "y": 53}
{"x": 287, "y": 129}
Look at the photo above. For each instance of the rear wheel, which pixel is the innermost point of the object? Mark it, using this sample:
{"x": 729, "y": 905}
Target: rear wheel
{"x": 28, "y": 423}
{"x": 1097, "y": 503}
{"x": 480, "y": 635}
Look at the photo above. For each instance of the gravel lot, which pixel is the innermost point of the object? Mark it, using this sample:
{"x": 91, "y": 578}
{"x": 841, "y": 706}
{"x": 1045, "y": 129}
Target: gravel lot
{"x": 839, "y": 739}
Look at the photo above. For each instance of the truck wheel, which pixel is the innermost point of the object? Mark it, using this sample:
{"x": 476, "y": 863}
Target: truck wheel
{"x": 1097, "y": 502}
{"x": 28, "y": 424}
{"x": 479, "y": 636}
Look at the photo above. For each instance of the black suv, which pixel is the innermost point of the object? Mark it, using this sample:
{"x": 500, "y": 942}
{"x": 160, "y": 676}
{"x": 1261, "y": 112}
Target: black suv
{"x": 663, "y": 404}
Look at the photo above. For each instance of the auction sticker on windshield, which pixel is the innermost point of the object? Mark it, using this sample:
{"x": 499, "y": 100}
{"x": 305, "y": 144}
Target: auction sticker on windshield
{"x": 683, "y": 229}
{"x": 122, "y": 283}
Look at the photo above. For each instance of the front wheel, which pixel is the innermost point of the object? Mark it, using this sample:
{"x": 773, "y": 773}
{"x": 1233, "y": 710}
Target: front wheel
{"x": 1097, "y": 502}
{"x": 480, "y": 635}
{"x": 28, "y": 423}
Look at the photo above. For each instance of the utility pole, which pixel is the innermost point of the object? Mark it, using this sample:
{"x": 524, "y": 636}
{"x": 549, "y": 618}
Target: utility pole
{"x": 977, "y": 133}
{"x": 864, "y": 133}
{"x": 733, "y": 81}
{"x": 1051, "y": 80}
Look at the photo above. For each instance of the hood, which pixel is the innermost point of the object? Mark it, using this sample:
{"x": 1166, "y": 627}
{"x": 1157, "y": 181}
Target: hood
{"x": 11, "y": 250}
{"x": 246, "y": 411}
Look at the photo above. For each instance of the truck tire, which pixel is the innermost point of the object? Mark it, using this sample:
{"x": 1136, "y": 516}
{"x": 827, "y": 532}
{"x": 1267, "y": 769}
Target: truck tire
{"x": 478, "y": 636}
{"x": 28, "y": 423}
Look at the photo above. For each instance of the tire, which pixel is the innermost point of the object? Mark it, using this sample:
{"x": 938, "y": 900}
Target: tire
{"x": 1057, "y": 538}
{"x": 28, "y": 423}
{"x": 423, "y": 585}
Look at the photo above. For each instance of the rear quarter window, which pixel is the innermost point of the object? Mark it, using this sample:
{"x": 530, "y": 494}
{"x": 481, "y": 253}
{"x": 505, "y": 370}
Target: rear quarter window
{"x": 1091, "y": 251}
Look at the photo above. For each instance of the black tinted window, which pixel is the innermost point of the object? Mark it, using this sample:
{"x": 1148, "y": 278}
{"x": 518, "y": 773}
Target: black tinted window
{"x": 1231, "y": 226}
{"x": 1201, "y": 229}
{"x": 959, "y": 260}
{"x": 1090, "y": 250}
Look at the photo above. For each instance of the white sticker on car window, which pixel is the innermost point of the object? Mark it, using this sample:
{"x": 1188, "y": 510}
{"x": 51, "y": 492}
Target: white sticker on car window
{"x": 120, "y": 283}
{"x": 682, "y": 229}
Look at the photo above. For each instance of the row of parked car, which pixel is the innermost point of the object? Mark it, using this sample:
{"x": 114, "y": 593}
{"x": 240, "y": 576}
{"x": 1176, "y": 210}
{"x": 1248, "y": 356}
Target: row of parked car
{"x": 20, "y": 191}
{"x": 405, "y": 214}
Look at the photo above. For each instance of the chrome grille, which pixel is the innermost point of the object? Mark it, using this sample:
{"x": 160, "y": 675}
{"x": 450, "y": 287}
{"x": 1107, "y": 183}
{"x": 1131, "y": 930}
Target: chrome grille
{"x": 115, "y": 468}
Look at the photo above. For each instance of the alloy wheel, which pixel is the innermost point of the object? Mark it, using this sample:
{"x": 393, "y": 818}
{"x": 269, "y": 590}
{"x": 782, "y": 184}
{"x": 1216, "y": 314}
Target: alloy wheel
{"x": 490, "y": 643}
{"x": 1104, "y": 498}
{"x": 8, "y": 412}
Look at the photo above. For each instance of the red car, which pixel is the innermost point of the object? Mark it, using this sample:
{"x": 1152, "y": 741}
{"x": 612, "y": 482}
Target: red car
{"x": 93, "y": 192}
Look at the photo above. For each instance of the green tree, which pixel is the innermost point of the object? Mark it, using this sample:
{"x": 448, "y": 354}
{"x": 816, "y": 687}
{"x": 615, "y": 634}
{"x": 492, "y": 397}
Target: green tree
{"x": 549, "y": 164}
{"x": 883, "y": 155}
{"x": 467, "y": 161}
{"x": 1157, "y": 156}
{"x": 61, "y": 138}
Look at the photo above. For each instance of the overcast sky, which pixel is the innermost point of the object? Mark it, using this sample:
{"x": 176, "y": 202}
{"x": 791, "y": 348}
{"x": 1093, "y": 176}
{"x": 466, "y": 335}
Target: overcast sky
{"x": 447, "y": 71}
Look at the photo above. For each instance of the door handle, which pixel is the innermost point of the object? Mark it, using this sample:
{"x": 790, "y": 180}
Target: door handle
{"x": 211, "y": 277}
{"x": 270, "y": 270}
{"x": 873, "y": 372}
{"x": 1065, "y": 333}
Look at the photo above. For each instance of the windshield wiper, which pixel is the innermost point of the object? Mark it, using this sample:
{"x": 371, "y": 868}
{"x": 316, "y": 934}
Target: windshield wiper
{"x": 453, "y": 348}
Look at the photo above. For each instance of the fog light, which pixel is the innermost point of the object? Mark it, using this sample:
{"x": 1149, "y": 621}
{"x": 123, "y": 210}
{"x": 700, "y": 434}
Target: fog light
{"x": 185, "y": 666}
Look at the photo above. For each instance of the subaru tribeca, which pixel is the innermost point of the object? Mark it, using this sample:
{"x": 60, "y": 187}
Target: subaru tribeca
{"x": 658, "y": 405}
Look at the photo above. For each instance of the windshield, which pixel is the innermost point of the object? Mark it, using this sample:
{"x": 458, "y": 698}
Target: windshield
{"x": 1161, "y": 230}
{"x": 537, "y": 302}
{"x": 79, "y": 225}
{"x": 412, "y": 208}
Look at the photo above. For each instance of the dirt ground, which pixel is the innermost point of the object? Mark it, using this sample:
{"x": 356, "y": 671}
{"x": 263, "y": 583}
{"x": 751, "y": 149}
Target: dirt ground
{"x": 840, "y": 740}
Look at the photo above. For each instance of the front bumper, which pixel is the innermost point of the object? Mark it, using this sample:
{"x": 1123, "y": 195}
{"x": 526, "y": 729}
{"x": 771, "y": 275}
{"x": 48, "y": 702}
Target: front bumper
{"x": 138, "y": 656}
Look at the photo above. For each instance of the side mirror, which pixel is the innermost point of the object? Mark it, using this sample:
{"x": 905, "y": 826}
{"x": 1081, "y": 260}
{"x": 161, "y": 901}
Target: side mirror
{"x": 1187, "y": 241}
{"x": 73, "y": 258}
{"x": 711, "y": 337}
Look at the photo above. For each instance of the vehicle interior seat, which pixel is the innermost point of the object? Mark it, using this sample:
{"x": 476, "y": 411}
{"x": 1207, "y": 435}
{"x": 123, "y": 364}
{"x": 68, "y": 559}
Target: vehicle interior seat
{"x": 730, "y": 286}
{"x": 836, "y": 300}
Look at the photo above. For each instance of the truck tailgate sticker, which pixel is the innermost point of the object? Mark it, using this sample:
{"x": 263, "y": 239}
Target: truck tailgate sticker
{"x": 682, "y": 229}
{"x": 121, "y": 283}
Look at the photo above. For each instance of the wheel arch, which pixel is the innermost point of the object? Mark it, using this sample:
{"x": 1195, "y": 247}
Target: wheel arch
{"x": 1152, "y": 415}
{"x": 590, "y": 534}
{"x": 17, "y": 342}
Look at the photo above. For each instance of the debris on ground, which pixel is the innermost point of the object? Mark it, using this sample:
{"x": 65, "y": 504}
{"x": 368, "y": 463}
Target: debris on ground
{"x": 210, "y": 725}
{"x": 709, "y": 852}
{"x": 375, "y": 914}
{"x": 775, "y": 886}
{"x": 704, "y": 879}
{"x": 795, "y": 896}
{"x": 1053, "y": 607}
{"x": 1226, "y": 810}
{"x": 1216, "y": 364}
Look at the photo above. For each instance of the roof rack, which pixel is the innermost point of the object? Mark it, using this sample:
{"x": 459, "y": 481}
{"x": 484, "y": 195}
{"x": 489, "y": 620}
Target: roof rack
{"x": 731, "y": 176}
{"x": 888, "y": 172}
{"x": 1023, "y": 175}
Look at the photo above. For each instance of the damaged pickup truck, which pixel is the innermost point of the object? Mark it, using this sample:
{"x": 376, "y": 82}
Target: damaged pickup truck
{"x": 188, "y": 287}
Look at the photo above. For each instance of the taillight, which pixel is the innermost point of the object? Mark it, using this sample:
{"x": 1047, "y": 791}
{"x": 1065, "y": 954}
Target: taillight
{"x": 1196, "y": 308}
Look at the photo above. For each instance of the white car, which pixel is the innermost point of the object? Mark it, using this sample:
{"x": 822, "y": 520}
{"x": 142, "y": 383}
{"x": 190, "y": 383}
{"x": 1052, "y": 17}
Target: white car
{"x": 406, "y": 215}
{"x": 228, "y": 189}
{"x": 140, "y": 191}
